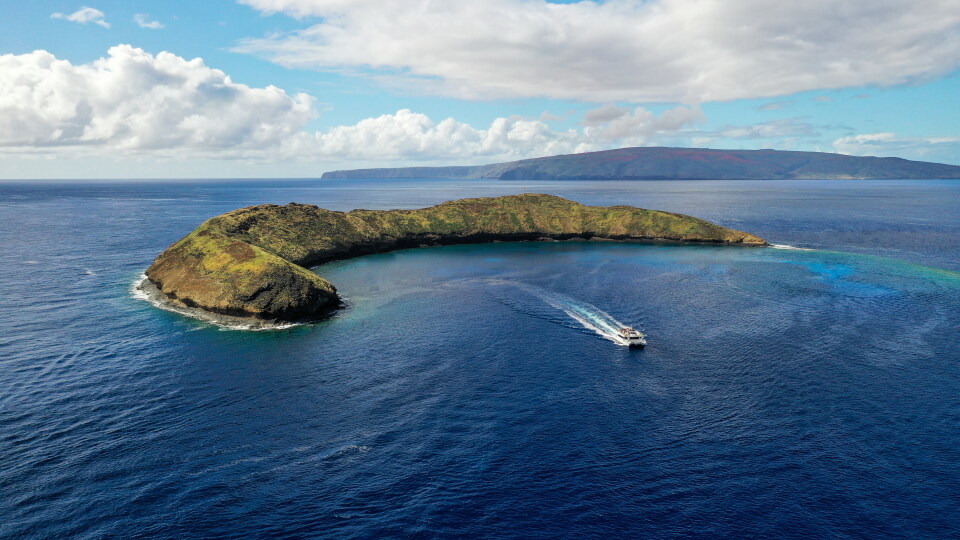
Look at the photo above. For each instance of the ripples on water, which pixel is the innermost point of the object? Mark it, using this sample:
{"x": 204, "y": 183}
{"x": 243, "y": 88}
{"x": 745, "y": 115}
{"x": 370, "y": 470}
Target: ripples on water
{"x": 782, "y": 393}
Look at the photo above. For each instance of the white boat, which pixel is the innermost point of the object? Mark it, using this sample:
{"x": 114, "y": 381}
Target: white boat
{"x": 632, "y": 337}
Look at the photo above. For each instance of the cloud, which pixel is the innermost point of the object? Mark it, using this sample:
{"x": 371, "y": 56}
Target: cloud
{"x": 776, "y": 105}
{"x": 774, "y": 129}
{"x": 83, "y": 16}
{"x": 620, "y": 50}
{"x": 134, "y": 101}
{"x": 604, "y": 114}
{"x": 855, "y": 141}
{"x": 138, "y": 105}
{"x": 547, "y": 116}
{"x": 407, "y": 135}
{"x": 945, "y": 149}
{"x": 610, "y": 123}
{"x": 783, "y": 134}
{"x": 143, "y": 21}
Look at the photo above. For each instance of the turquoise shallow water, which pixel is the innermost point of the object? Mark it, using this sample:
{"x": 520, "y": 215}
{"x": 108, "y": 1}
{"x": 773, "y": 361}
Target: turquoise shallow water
{"x": 470, "y": 390}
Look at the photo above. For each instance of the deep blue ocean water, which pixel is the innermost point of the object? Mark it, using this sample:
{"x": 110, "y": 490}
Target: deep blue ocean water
{"x": 470, "y": 391}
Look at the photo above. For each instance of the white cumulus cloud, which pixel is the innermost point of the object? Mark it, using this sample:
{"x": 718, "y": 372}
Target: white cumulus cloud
{"x": 945, "y": 149}
{"x": 621, "y": 50}
{"x": 143, "y": 21}
{"x": 84, "y": 15}
{"x": 407, "y": 135}
{"x": 132, "y": 100}
{"x": 411, "y": 136}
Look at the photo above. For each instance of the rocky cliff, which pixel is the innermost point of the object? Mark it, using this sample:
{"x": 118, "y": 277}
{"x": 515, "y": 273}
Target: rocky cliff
{"x": 252, "y": 262}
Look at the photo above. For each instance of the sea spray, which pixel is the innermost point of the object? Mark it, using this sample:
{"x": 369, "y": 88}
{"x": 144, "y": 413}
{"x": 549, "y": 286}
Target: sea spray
{"x": 142, "y": 289}
{"x": 786, "y": 246}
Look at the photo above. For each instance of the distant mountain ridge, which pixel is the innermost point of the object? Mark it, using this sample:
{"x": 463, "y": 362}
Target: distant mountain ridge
{"x": 659, "y": 163}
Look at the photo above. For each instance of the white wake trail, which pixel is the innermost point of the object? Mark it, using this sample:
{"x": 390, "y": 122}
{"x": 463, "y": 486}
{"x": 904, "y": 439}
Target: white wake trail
{"x": 587, "y": 315}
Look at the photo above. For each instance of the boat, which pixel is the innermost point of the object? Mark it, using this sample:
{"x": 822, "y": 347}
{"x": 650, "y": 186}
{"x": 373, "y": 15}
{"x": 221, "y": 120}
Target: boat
{"x": 632, "y": 337}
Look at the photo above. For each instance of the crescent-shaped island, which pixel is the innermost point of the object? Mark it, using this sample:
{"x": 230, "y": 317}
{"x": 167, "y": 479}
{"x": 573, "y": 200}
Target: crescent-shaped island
{"x": 251, "y": 265}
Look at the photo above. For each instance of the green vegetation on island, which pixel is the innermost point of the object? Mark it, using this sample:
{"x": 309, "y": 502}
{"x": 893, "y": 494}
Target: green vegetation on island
{"x": 252, "y": 262}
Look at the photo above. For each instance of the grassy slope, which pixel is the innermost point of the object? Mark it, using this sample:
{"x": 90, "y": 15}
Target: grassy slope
{"x": 250, "y": 261}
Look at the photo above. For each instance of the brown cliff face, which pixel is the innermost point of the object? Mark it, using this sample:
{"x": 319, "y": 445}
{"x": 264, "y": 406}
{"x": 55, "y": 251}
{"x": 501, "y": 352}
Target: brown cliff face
{"x": 250, "y": 262}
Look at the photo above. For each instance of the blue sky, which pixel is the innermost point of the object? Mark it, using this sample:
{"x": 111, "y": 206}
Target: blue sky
{"x": 293, "y": 88}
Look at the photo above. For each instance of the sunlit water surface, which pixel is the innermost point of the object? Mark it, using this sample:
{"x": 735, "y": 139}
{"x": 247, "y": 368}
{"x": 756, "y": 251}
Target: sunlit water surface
{"x": 476, "y": 390}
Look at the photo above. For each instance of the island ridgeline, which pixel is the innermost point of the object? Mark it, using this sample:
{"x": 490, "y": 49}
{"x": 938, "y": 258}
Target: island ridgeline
{"x": 252, "y": 263}
{"x": 654, "y": 163}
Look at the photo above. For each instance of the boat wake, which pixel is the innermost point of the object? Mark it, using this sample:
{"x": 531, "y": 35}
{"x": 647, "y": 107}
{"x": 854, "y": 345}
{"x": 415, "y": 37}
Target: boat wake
{"x": 586, "y": 315}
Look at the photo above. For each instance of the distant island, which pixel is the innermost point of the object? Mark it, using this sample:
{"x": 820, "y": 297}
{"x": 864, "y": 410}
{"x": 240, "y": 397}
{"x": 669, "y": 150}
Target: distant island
{"x": 678, "y": 164}
{"x": 251, "y": 264}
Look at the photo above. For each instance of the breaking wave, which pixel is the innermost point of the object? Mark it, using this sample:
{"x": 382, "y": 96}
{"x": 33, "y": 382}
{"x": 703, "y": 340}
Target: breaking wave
{"x": 140, "y": 289}
{"x": 785, "y": 246}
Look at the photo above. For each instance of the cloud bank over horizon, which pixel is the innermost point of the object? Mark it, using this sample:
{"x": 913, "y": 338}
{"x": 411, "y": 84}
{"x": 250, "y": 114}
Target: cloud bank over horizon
{"x": 305, "y": 85}
{"x": 636, "y": 51}
{"x": 136, "y": 103}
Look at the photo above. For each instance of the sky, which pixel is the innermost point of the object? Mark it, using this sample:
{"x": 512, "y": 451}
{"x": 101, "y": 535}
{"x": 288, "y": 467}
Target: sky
{"x": 293, "y": 88}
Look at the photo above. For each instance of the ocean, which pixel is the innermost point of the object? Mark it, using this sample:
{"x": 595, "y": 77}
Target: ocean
{"x": 811, "y": 390}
